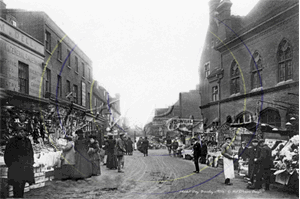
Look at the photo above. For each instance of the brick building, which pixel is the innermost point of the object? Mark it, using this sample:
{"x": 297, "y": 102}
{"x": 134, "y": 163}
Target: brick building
{"x": 64, "y": 74}
{"x": 249, "y": 68}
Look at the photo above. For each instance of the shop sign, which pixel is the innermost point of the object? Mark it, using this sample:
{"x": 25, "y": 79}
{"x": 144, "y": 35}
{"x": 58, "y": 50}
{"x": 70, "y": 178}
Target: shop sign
{"x": 179, "y": 124}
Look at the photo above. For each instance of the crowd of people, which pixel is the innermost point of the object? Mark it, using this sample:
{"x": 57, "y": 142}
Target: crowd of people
{"x": 259, "y": 160}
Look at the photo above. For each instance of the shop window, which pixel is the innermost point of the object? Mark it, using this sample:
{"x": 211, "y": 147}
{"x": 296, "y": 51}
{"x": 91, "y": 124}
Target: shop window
{"x": 215, "y": 93}
{"x": 23, "y": 78}
{"x": 76, "y": 64}
{"x": 59, "y": 50}
{"x": 48, "y": 41}
{"x": 256, "y": 71}
{"x": 69, "y": 58}
{"x": 284, "y": 57}
{"x": 270, "y": 116}
{"x": 235, "y": 78}
{"x": 207, "y": 69}
{"x": 59, "y": 86}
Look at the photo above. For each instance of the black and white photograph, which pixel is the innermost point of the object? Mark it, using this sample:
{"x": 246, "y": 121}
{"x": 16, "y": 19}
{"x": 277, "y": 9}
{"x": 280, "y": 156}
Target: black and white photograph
{"x": 149, "y": 99}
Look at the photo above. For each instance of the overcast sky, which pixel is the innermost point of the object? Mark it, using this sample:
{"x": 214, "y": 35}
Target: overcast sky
{"x": 148, "y": 51}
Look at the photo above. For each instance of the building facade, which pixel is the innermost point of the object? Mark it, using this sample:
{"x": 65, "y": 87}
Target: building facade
{"x": 42, "y": 64}
{"x": 249, "y": 69}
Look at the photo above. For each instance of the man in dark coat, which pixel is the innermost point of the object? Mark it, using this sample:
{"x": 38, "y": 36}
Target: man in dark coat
{"x": 267, "y": 164}
{"x": 203, "y": 152}
{"x": 242, "y": 153}
{"x": 197, "y": 154}
{"x": 255, "y": 155}
{"x": 19, "y": 159}
{"x": 145, "y": 146}
{"x": 174, "y": 147}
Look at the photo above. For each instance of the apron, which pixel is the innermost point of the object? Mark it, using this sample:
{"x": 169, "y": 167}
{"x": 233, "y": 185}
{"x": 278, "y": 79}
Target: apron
{"x": 228, "y": 168}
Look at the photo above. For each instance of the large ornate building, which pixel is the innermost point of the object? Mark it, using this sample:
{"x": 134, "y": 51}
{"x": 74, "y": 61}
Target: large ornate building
{"x": 249, "y": 68}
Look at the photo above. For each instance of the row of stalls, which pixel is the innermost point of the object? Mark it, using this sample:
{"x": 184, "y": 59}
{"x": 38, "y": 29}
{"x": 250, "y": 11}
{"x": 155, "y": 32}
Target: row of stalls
{"x": 283, "y": 143}
{"x": 46, "y": 125}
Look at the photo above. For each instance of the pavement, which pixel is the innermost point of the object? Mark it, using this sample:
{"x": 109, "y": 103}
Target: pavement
{"x": 156, "y": 176}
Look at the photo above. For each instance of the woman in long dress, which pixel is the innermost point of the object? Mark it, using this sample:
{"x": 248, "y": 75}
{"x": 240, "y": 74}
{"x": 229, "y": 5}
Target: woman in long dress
{"x": 111, "y": 162}
{"x": 94, "y": 150}
{"x": 129, "y": 146}
{"x": 83, "y": 166}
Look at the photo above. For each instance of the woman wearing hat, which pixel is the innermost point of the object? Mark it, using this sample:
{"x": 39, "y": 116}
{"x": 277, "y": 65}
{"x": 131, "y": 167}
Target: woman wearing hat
{"x": 111, "y": 161}
{"x": 93, "y": 152}
{"x": 228, "y": 161}
{"x": 83, "y": 167}
{"x": 68, "y": 159}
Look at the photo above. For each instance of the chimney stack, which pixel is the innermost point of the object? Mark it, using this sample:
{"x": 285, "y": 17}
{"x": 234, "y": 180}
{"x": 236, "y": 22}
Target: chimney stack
{"x": 224, "y": 16}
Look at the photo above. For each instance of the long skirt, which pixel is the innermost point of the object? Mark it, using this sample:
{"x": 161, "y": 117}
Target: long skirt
{"x": 228, "y": 168}
{"x": 95, "y": 167}
{"x": 67, "y": 171}
{"x": 111, "y": 161}
{"x": 83, "y": 167}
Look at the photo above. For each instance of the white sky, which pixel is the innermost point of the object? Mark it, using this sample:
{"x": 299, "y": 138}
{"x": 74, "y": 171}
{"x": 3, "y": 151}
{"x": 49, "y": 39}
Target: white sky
{"x": 148, "y": 51}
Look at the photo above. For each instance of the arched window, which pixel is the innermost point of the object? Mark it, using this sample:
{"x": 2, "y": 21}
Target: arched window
{"x": 235, "y": 78}
{"x": 284, "y": 57}
{"x": 244, "y": 117}
{"x": 256, "y": 69}
{"x": 270, "y": 116}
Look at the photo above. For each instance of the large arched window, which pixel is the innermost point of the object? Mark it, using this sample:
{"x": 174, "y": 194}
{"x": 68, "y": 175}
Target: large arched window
{"x": 270, "y": 116}
{"x": 244, "y": 117}
{"x": 256, "y": 69}
{"x": 235, "y": 78}
{"x": 284, "y": 57}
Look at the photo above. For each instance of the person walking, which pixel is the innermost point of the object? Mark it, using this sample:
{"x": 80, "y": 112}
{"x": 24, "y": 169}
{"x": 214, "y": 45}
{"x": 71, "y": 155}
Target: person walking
{"x": 255, "y": 160}
{"x": 68, "y": 159}
{"x": 111, "y": 162}
{"x": 197, "y": 154}
{"x": 174, "y": 147}
{"x": 267, "y": 164}
{"x": 203, "y": 152}
{"x": 18, "y": 157}
{"x": 129, "y": 146}
{"x": 169, "y": 144}
{"x": 119, "y": 152}
{"x": 145, "y": 146}
{"x": 228, "y": 161}
{"x": 94, "y": 155}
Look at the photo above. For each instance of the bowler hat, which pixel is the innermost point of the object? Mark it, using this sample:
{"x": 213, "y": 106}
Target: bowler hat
{"x": 121, "y": 134}
{"x": 254, "y": 140}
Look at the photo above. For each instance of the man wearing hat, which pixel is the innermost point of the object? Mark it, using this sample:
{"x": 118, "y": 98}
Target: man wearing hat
{"x": 120, "y": 150}
{"x": 197, "y": 153}
{"x": 267, "y": 163}
{"x": 228, "y": 161}
{"x": 242, "y": 153}
{"x": 255, "y": 161}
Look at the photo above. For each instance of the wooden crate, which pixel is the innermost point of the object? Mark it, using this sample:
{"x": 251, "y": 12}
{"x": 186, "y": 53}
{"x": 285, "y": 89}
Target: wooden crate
{"x": 39, "y": 185}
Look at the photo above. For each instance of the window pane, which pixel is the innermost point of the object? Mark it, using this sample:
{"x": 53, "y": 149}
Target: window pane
{"x": 289, "y": 70}
{"x": 282, "y": 72}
